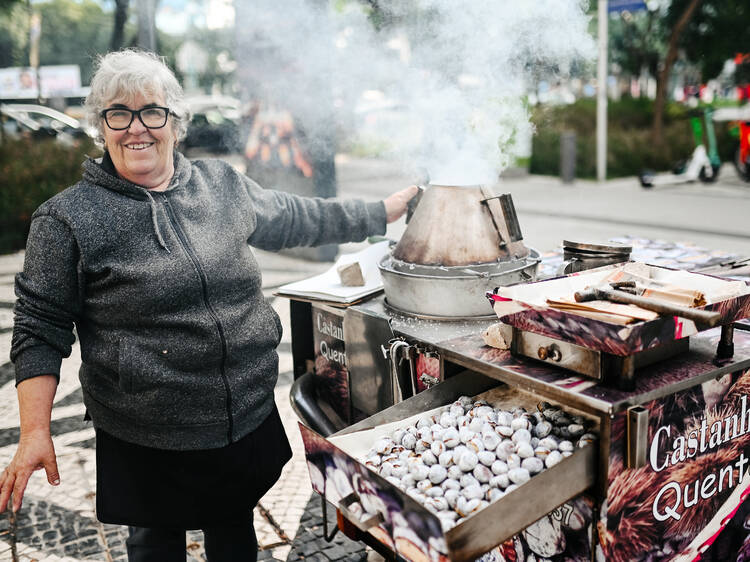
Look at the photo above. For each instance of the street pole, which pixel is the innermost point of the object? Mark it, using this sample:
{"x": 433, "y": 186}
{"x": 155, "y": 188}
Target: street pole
{"x": 146, "y": 23}
{"x": 601, "y": 94}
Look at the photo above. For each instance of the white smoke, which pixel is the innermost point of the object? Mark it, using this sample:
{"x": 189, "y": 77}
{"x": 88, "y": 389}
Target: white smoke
{"x": 458, "y": 68}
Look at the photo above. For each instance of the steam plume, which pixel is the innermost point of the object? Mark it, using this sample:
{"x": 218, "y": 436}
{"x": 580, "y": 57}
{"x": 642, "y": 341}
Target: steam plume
{"x": 459, "y": 69}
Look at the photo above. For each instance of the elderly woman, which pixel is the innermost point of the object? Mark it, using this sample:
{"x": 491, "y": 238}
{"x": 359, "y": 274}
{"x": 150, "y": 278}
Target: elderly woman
{"x": 149, "y": 257}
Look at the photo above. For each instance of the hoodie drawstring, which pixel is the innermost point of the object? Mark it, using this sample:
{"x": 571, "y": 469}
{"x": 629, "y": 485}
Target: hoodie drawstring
{"x": 155, "y": 222}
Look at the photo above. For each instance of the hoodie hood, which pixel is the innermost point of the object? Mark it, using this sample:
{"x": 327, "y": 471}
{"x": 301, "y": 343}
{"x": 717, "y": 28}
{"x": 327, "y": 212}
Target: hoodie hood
{"x": 102, "y": 172}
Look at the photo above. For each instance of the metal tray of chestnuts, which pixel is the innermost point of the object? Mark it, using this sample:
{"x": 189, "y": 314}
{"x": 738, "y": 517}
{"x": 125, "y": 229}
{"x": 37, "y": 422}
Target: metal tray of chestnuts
{"x": 457, "y": 469}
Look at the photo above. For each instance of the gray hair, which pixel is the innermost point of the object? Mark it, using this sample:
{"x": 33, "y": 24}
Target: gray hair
{"x": 127, "y": 73}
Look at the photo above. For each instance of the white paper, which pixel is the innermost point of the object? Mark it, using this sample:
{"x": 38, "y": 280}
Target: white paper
{"x": 327, "y": 286}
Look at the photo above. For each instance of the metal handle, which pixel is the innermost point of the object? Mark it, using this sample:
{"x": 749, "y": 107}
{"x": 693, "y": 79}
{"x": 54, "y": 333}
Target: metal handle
{"x": 637, "y": 436}
{"x": 411, "y": 206}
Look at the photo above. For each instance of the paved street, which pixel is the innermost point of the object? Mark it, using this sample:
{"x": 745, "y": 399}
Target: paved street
{"x": 59, "y": 523}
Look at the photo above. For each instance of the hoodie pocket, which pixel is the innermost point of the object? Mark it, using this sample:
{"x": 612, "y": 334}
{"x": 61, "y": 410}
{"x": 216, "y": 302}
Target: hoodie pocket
{"x": 134, "y": 363}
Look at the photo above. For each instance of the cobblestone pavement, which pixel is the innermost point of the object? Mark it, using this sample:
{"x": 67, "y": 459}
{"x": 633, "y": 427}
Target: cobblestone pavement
{"x": 59, "y": 523}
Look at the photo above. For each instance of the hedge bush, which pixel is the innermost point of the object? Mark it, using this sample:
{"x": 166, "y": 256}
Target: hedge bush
{"x": 32, "y": 171}
{"x": 629, "y": 146}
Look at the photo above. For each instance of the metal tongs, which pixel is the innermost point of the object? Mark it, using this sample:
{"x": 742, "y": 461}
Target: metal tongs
{"x": 624, "y": 292}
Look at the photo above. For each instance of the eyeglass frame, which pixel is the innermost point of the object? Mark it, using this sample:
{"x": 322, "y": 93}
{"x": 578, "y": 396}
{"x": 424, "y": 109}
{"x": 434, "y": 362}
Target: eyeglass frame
{"x": 133, "y": 114}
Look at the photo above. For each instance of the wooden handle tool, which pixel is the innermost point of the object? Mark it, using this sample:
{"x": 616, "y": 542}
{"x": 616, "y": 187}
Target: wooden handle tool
{"x": 662, "y": 307}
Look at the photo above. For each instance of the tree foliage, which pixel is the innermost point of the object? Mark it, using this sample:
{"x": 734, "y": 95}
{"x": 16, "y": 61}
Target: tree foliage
{"x": 73, "y": 33}
{"x": 14, "y": 34}
{"x": 718, "y": 30}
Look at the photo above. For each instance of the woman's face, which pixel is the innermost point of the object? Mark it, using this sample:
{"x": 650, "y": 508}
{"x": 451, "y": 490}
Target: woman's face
{"x": 141, "y": 155}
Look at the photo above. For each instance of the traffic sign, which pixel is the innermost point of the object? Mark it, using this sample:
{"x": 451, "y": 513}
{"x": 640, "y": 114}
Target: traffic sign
{"x": 626, "y": 5}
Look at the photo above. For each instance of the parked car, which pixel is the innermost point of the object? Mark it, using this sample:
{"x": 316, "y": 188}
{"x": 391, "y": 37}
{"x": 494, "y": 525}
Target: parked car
{"x": 214, "y": 125}
{"x": 40, "y": 121}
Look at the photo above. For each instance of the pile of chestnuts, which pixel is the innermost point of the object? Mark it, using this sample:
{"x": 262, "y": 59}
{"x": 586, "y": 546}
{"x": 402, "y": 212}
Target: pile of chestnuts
{"x": 468, "y": 454}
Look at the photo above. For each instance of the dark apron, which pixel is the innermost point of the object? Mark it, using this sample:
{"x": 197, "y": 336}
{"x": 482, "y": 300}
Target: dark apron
{"x": 146, "y": 487}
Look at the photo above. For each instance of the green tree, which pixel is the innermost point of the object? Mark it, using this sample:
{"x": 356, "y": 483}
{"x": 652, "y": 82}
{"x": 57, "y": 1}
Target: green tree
{"x": 707, "y": 32}
{"x": 73, "y": 33}
{"x": 14, "y": 34}
{"x": 717, "y": 32}
{"x": 637, "y": 41}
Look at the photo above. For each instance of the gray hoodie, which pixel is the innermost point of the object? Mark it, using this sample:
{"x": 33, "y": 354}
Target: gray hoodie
{"x": 178, "y": 345}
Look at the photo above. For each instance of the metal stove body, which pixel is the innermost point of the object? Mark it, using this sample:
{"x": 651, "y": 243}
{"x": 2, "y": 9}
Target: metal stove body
{"x": 663, "y": 482}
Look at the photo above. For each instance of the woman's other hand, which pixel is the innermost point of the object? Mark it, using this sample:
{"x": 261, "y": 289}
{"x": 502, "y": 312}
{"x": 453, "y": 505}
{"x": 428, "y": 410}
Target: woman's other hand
{"x": 395, "y": 205}
{"x": 35, "y": 451}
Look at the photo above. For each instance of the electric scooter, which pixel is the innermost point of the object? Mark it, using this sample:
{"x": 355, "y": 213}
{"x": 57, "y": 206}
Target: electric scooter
{"x": 740, "y": 115}
{"x": 702, "y": 165}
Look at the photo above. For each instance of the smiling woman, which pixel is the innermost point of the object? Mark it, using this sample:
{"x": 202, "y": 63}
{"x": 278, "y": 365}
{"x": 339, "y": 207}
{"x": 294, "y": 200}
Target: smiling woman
{"x": 149, "y": 257}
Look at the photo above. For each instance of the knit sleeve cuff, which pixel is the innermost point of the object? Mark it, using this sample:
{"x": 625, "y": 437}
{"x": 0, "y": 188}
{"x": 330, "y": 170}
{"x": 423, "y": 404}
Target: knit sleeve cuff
{"x": 36, "y": 361}
{"x": 376, "y": 221}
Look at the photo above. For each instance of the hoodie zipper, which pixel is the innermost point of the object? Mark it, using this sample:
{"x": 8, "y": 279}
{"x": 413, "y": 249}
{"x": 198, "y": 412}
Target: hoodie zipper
{"x": 204, "y": 286}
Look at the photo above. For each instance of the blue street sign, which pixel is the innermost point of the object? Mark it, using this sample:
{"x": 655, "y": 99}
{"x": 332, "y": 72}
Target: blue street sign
{"x": 626, "y": 5}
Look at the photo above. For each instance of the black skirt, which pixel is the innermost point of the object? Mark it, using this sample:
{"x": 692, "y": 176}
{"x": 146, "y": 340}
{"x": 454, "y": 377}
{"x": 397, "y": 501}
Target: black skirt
{"x": 147, "y": 487}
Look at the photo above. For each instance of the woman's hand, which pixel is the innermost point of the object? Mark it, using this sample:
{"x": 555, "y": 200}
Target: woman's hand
{"x": 35, "y": 451}
{"x": 395, "y": 205}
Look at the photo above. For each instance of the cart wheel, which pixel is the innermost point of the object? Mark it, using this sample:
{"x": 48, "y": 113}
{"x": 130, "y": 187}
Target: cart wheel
{"x": 743, "y": 168}
{"x": 705, "y": 178}
{"x": 647, "y": 179}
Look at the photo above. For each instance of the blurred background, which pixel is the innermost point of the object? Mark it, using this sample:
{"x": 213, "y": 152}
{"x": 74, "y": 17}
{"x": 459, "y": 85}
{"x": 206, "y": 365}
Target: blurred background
{"x": 279, "y": 88}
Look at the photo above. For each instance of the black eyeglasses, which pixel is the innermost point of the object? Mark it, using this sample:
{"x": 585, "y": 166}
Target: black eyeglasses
{"x": 120, "y": 118}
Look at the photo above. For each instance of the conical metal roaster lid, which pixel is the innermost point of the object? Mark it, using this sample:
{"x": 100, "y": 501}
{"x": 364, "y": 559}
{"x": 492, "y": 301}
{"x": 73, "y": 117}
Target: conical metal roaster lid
{"x": 459, "y": 226}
